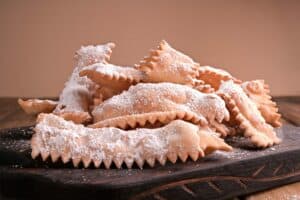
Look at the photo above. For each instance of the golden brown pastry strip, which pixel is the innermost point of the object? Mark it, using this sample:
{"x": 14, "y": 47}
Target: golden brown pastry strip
{"x": 203, "y": 87}
{"x": 36, "y": 106}
{"x": 58, "y": 138}
{"x": 106, "y": 92}
{"x": 214, "y": 76}
{"x": 159, "y": 102}
{"x": 78, "y": 92}
{"x": 259, "y": 93}
{"x": 88, "y": 55}
{"x": 168, "y": 65}
{"x": 112, "y": 77}
{"x": 152, "y": 118}
{"x": 247, "y": 116}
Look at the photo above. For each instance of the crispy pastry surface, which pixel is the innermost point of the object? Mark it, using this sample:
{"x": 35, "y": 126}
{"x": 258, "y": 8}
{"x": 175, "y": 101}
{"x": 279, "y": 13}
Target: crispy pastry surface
{"x": 259, "y": 93}
{"x": 58, "y": 138}
{"x": 168, "y": 65}
{"x": 163, "y": 102}
{"x": 246, "y": 114}
{"x": 36, "y": 106}
{"x": 88, "y": 55}
{"x": 214, "y": 76}
{"x": 113, "y": 78}
{"x": 78, "y": 92}
{"x": 168, "y": 106}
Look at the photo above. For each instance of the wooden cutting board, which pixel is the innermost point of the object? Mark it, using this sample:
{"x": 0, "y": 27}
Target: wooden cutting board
{"x": 218, "y": 176}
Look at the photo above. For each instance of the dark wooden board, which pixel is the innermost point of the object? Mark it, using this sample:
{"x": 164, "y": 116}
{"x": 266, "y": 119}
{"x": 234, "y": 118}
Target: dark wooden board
{"x": 218, "y": 176}
{"x": 289, "y": 107}
{"x": 12, "y": 115}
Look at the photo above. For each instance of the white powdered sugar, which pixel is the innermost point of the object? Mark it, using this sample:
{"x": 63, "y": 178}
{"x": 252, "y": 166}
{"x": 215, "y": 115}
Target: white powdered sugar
{"x": 183, "y": 65}
{"x": 177, "y": 54}
{"x": 76, "y": 141}
{"x": 229, "y": 87}
{"x": 78, "y": 90}
{"x": 237, "y": 92}
{"x": 160, "y": 97}
{"x": 110, "y": 69}
{"x": 90, "y": 54}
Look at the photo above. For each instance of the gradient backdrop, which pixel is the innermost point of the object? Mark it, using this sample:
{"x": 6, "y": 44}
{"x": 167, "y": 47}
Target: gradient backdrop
{"x": 252, "y": 39}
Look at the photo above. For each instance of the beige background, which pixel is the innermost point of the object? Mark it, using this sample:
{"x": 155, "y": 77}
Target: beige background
{"x": 251, "y": 39}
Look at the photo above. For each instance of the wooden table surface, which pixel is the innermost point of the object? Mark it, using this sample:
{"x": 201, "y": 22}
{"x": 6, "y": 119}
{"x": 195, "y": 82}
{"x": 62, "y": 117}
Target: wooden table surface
{"x": 12, "y": 116}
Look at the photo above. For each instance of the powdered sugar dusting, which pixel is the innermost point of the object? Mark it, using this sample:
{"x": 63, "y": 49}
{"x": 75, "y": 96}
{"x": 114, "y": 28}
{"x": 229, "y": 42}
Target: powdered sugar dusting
{"x": 76, "y": 141}
{"x": 177, "y": 55}
{"x": 229, "y": 87}
{"x": 110, "y": 69}
{"x": 169, "y": 65}
{"x": 256, "y": 87}
{"x": 78, "y": 90}
{"x": 90, "y": 54}
{"x": 181, "y": 64}
{"x": 148, "y": 97}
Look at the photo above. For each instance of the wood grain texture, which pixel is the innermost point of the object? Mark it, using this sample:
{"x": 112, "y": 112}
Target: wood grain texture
{"x": 11, "y": 114}
{"x": 219, "y": 176}
{"x": 289, "y": 107}
{"x": 287, "y": 192}
{"x": 290, "y": 110}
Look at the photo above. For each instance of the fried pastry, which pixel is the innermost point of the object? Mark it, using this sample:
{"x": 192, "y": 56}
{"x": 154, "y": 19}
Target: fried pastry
{"x": 159, "y": 102}
{"x": 202, "y": 87}
{"x": 167, "y": 107}
{"x": 214, "y": 76}
{"x": 36, "y": 106}
{"x": 259, "y": 93}
{"x": 246, "y": 114}
{"x": 88, "y": 55}
{"x": 106, "y": 92}
{"x": 113, "y": 78}
{"x": 168, "y": 65}
{"x": 78, "y": 92}
{"x": 58, "y": 138}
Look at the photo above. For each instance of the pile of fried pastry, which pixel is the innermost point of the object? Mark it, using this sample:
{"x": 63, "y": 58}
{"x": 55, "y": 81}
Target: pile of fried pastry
{"x": 164, "y": 108}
